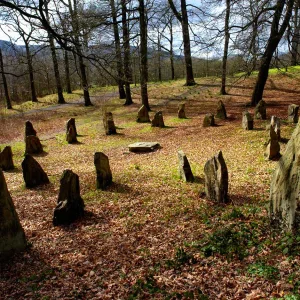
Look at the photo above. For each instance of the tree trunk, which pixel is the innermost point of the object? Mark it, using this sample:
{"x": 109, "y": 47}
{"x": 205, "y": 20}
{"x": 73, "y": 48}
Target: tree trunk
{"x": 30, "y": 71}
{"x": 67, "y": 72}
{"x": 295, "y": 38}
{"x": 6, "y": 93}
{"x": 159, "y": 56}
{"x": 273, "y": 41}
{"x": 172, "y": 51}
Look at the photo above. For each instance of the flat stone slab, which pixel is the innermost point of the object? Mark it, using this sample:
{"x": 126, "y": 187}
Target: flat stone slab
{"x": 143, "y": 146}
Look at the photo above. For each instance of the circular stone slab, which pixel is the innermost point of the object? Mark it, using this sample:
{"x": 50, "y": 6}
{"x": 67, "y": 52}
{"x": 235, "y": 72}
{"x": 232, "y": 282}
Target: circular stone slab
{"x": 143, "y": 146}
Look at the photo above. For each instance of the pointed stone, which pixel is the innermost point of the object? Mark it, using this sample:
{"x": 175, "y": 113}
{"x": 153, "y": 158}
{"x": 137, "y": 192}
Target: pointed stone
{"x": 158, "y": 120}
{"x": 11, "y": 232}
{"x": 71, "y": 122}
{"x": 247, "y": 121}
{"x": 184, "y": 168}
{"x": 216, "y": 179}
{"x": 104, "y": 175}
{"x": 181, "y": 111}
{"x": 143, "y": 115}
{"x": 260, "y": 111}
{"x": 109, "y": 124}
{"x": 293, "y": 110}
{"x": 273, "y": 148}
{"x": 275, "y": 123}
{"x": 33, "y": 145}
{"x": 33, "y": 173}
{"x": 70, "y": 205}
{"x": 71, "y": 135}
{"x": 29, "y": 130}
{"x": 6, "y": 160}
{"x": 209, "y": 120}
{"x": 221, "y": 111}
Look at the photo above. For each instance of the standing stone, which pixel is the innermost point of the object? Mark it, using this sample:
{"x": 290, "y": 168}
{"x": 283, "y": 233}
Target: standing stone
{"x": 33, "y": 173}
{"x": 70, "y": 205}
{"x": 273, "y": 148}
{"x": 216, "y": 179}
{"x": 181, "y": 111}
{"x": 71, "y": 122}
{"x": 285, "y": 186}
{"x": 293, "y": 113}
{"x": 247, "y": 121}
{"x": 143, "y": 115}
{"x": 221, "y": 111}
{"x": 109, "y": 123}
{"x": 104, "y": 175}
{"x": 158, "y": 120}
{"x": 275, "y": 123}
{"x": 12, "y": 237}
{"x": 29, "y": 130}
{"x": 71, "y": 135}
{"x": 260, "y": 111}
{"x": 6, "y": 160}
{"x": 209, "y": 120}
{"x": 33, "y": 145}
{"x": 184, "y": 168}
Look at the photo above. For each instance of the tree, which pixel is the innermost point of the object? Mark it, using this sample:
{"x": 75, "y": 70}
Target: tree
{"x": 295, "y": 35}
{"x": 6, "y": 93}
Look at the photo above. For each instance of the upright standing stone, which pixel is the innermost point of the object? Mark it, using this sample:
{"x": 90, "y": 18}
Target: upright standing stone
{"x": 209, "y": 120}
{"x": 143, "y": 115}
{"x": 33, "y": 173}
{"x": 181, "y": 111}
{"x": 273, "y": 148}
{"x": 12, "y": 237}
{"x": 109, "y": 123}
{"x": 71, "y": 135}
{"x": 275, "y": 123}
{"x": 6, "y": 160}
{"x": 104, "y": 175}
{"x": 221, "y": 111}
{"x": 293, "y": 113}
{"x": 184, "y": 167}
{"x": 70, "y": 205}
{"x": 71, "y": 122}
{"x": 247, "y": 121}
{"x": 29, "y": 130}
{"x": 216, "y": 179}
{"x": 158, "y": 120}
{"x": 261, "y": 110}
{"x": 33, "y": 145}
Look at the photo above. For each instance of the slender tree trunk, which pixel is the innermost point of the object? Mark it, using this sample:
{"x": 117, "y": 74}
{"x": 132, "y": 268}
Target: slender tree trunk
{"x": 159, "y": 56}
{"x": 172, "y": 52}
{"x": 67, "y": 72}
{"x": 273, "y": 41}
{"x": 295, "y": 38}
{"x": 30, "y": 71}
{"x": 6, "y": 93}
{"x": 226, "y": 44}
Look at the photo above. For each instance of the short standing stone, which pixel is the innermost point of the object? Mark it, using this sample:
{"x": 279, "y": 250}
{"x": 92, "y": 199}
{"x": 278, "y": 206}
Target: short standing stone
{"x": 29, "y": 130}
{"x": 293, "y": 113}
{"x": 275, "y": 123}
{"x": 261, "y": 110}
{"x": 71, "y": 122}
{"x": 109, "y": 124}
{"x": 71, "y": 135}
{"x": 221, "y": 111}
{"x": 33, "y": 145}
{"x": 6, "y": 160}
{"x": 11, "y": 232}
{"x": 181, "y": 111}
{"x": 273, "y": 147}
{"x": 209, "y": 120}
{"x": 70, "y": 205}
{"x": 184, "y": 167}
{"x": 216, "y": 179}
{"x": 158, "y": 120}
{"x": 33, "y": 173}
{"x": 143, "y": 115}
{"x": 104, "y": 175}
{"x": 143, "y": 146}
{"x": 247, "y": 121}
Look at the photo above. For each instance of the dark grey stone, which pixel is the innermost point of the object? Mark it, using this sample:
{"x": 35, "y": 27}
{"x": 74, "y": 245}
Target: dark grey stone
{"x": 6, "y": 160}
{"x": 209, "y": 120}
{"x": 181, "y": 111}
{"x": 221, "y": 111}
{"x": 260, "y": 111}
{"x": 158, "y": 120}
{"x": 109, "y": 124}
{"x": 33, "y": 145}
{"x": 247, "y": 121}
{"x": 143, "y": 115}
{"x": 104, "y": 175}
{"x": 143, "y": 146}
{"x": 293, "y": 110}
{"x": 184, "y": 168}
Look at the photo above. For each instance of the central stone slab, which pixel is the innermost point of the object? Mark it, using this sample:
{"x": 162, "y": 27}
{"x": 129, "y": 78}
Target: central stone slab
{"x": 143, "y": 146}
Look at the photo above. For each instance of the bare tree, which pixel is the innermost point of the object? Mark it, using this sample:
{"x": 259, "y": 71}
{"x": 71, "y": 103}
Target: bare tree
{"x": 4, "y": 82}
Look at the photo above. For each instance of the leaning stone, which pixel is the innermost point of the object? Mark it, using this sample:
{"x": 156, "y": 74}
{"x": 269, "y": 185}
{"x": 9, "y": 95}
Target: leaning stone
{"x": 11, "y": 232}
{"x": 71, "y": 135}
{"x": 70, "y": 205}
{"x": 71, "y": 122}
{"x": 221, "y": 111}
{"x": 275, "y": 123}
{"x": 143, "y": 146}
{"x": 6, "y": 160}
{"x": 209, "y": 120}
{"x": 181, "y": 111}
{"x": 109, "y": 124}
{"x": 260, "y": 111}
{"x": 284, "y": 207}
{"x": 33, "y": 145}
{"x": 29, "y": 130}
{"x": 184, "y": 168}
{"x": 33, "y": 173}
{"x": 158, "y": 120}
{"x": 293, "y": 113}
{"x": 143, "y": 115}
{"x": 247, "y": 121}
{"x": 216, "y": 179}
{"x": 273, "y": 147}
{"x": 104, "y": 175}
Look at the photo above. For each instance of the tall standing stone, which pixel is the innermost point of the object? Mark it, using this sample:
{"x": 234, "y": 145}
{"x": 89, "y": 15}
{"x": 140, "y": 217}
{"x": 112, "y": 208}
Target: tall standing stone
{"x": 184, "y": 167}
{"x": 143, "y": 115}
{"x": 275, "y": 123}
{"x": 181, "y": 111}
{"x": 260, "y": 111}
{"x": 247, "y": 121}
{"x": 273, "y": 147}
{"x": 109, "y": 124}
{"x": 158, "y": 120}
{"x": 216, "y": 179}
{"x": 103, "y": 172}
{"x": 71, "y": 135}
{"x": 12, "y": 237}
{"x": 29, "y": 130}
{"x": 33, "y": 145}
{"x": 6, "y": 160}
{"x": 71, "y": 122}
{"x": 70, "y": 205}
{"x": 33, "y": 173}
{"x": 209, "y": 120}
{"x": 221, "y": 111}
{"x": 293, "y": 110}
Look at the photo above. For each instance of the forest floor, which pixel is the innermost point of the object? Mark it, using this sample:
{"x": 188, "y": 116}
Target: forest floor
{"x": 151, "y": 235}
